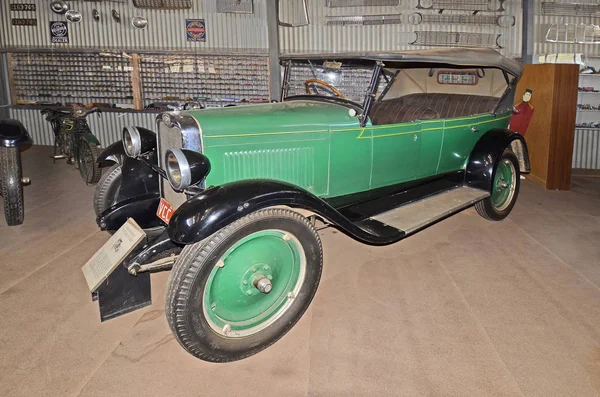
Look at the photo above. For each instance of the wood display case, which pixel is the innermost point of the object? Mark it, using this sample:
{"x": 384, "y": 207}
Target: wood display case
{"x": 552, "y": 128}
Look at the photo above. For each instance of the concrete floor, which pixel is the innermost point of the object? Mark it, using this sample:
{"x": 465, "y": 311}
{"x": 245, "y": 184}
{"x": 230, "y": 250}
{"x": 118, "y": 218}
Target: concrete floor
{"x": 467, "y": 307}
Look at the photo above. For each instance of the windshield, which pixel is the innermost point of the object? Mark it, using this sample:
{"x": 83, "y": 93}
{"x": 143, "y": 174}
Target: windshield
{"x": 331, "y": 79}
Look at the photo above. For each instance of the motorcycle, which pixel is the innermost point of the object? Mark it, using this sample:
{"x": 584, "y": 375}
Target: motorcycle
{"x": 74, "y": 140}
{"x": 13, "y": 136}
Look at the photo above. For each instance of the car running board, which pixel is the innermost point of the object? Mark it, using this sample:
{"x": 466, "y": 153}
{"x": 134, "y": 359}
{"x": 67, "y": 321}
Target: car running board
{"x": 411, "y": 218}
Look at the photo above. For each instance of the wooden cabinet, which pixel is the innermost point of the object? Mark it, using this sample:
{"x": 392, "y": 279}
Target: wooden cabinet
{"x": 552, "y": 128}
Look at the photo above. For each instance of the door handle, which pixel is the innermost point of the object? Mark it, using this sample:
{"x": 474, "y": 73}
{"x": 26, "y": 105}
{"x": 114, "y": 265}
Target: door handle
{"x": 473, "y": 129}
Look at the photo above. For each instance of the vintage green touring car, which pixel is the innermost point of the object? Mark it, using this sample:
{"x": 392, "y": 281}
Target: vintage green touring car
{"x": 379, "y": 146}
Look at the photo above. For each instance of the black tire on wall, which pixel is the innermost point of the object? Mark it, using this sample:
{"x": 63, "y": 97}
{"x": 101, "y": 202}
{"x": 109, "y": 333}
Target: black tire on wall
{"x": 11, "y": 185}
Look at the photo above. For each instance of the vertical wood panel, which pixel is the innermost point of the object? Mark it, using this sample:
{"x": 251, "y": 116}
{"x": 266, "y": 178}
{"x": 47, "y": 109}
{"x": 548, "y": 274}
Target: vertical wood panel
{"x": 563, "y": 127}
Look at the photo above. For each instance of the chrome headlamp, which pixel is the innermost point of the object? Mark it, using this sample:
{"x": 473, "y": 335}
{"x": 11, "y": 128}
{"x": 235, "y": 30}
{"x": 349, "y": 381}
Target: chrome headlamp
{"x": 137, "y": 140}
{"x": 185, "y": 168}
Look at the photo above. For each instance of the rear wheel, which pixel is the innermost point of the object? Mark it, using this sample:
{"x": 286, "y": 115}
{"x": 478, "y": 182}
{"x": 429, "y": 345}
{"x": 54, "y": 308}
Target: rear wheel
{"x": 505, "y": 189}
{"x": 11, "y": 185}
{"x": 87, "y": 155}
{"x": 243, "y": 288}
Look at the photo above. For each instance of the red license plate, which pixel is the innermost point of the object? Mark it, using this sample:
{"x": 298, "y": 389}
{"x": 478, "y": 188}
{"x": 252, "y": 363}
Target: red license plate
{"x": 165, "y": 210}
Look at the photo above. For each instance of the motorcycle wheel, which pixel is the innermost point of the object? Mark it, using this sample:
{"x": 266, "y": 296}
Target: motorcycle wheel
{"x": 87, "y": 155}
{"x": 11, "y": 185}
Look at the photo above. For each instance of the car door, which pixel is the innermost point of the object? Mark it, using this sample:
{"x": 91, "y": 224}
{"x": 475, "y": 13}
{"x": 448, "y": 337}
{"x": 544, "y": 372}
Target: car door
{"x": 396, "y": 153}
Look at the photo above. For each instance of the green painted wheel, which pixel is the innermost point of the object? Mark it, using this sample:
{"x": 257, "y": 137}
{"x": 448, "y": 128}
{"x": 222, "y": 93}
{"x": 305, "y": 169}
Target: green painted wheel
{"x": 503, "y": 188}
{"x": 271, "y": 260}
{"x": 241, "y": 289}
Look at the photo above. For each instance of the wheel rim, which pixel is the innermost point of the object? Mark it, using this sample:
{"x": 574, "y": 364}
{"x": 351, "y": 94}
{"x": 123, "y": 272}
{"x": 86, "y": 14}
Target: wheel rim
{"x": 504, "y": 185}
{"x": 233, "y": 303}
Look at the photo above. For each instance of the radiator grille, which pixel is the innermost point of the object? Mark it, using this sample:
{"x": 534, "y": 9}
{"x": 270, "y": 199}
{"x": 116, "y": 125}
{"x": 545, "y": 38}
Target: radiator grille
{"x": 294, "y": 165}
{"x": 169, "y": 138}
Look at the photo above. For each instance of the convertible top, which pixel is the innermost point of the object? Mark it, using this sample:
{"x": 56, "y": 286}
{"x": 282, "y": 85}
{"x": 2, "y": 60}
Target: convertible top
{"x": 462, "y": 57}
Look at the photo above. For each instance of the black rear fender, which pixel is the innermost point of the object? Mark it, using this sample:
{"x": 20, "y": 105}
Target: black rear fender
{"x": 219, "y": 206}
{"x": 487, "y": 152}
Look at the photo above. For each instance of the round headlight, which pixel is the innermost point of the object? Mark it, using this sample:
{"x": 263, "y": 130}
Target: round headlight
{"x": 178, "y": 169}
{"x": 132, "y": 141}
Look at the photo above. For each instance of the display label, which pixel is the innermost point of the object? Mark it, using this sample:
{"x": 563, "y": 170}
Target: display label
{"x": 59, "y": 32}
{"x": 195, "y": 29}
{"x": 112, "y": 253}
{"x": 165, "y": 211}
{"x": 22, "y": 7}
{"x": 24, "y": 22}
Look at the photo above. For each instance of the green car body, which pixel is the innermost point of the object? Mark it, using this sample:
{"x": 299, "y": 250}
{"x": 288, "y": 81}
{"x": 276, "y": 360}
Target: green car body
{"x": 321, "y": 148}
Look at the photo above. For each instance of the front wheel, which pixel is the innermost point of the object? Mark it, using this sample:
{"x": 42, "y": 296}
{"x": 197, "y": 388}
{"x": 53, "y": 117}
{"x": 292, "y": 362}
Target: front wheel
{"x": 11, "y": 185}
{"x": 87, "y": 156}
{"x": 505, "y": 189}
{"x": 243, "y": 288}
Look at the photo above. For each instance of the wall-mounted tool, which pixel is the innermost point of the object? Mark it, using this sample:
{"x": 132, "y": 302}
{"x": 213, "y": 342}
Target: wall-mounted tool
{"x": 139, "y": 22}
{"x": 474, "y": 6}
{"x": 116, "y": 16}
{"x": 456, "y": 39}
{"x": 73, "y": 16}
{"x": 163, "y": 4}
{"x": 59, "y": 6}
{"x": 504, "y": 21}
{"x": 570, "y": 9}
{"x": 362, "y": 3}
{"x": 388, "y": 19}
{"x": 295, "y": 11}
{"x": 573, "y": 33}
{"x": 235, "y": 6}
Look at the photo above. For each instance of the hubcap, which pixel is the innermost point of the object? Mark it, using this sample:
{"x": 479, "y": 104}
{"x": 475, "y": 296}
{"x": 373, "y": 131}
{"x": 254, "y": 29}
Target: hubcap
{"x": 254, "y": 283}
{"x": 504, "y": 185}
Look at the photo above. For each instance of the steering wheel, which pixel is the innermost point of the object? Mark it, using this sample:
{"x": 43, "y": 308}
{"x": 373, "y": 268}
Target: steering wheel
{"x": 323, "y": 83}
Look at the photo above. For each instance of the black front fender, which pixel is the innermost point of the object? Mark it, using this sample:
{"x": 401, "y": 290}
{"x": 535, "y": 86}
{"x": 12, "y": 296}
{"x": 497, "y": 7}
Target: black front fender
{"x": 112, "y": 154}
{"x": 487, "y": 153}
{"x": 141, "y": 208}
{"x": 219, "y": 206}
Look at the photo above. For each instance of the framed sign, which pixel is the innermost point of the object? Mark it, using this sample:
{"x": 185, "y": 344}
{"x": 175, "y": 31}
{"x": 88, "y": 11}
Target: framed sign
{"x": 24, "y": 22}
{"x": 457, "y": 77}
{"x": 59, "y": 32}
{"x": 195, "y": 30}
{"x": 22, "y": 7}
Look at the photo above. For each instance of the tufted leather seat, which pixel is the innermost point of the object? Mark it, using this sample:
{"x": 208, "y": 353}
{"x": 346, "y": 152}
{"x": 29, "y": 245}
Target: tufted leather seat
{"x": 396, "y": 111}
{"x": 430, "y": 106}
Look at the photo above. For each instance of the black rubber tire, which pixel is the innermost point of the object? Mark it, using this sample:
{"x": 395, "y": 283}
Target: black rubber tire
{"x": 485, "y": 208}
{"x": 184, "y": 307}
{"x": 11, "y": 185}
{"x": 87, "y": 157}
{"x": 107, "y": 189}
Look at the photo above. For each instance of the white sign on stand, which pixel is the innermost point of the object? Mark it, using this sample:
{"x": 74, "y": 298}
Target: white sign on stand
{"x": 112, "y": 253}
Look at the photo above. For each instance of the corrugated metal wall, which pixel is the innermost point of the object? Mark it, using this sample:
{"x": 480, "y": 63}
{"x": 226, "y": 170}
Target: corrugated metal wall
{"x": 586, "y": 149}
{"x": 318, "y": 37}
{"x": 165, "y": 31}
